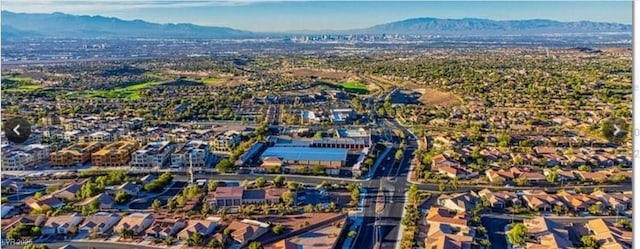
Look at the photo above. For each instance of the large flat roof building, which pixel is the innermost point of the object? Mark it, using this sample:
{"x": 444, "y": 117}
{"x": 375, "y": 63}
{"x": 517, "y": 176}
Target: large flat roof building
{"x": 302, "y": 155}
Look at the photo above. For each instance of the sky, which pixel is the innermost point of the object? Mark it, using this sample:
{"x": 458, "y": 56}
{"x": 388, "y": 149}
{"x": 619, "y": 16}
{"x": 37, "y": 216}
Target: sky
{"x": 277, "y": 16}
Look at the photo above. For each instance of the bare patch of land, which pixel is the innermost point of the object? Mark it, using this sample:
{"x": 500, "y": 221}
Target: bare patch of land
{"x": 434, "y": 97}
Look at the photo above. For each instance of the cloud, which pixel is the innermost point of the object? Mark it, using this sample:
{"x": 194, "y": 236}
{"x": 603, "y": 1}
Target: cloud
{"x": 74, "y": 6}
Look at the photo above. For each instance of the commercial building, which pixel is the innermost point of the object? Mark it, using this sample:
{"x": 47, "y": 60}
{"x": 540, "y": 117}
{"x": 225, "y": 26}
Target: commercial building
{"x": 115, "y": 154}
{"x": 236, "y": 196}
{"x": 341, "y": 116}
{"x": 195, "y": 153}
{"x": 307, "y": 156}
{"x": 76, "y": 154}
{"x": 155, "y": 154}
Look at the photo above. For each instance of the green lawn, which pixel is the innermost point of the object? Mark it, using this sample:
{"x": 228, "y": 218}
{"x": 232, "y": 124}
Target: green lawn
{"x": 354, "y": 87}
{"x": 211, "y": 80}
{"x": 22, "y": 83}
{"x": 128, "y": 92}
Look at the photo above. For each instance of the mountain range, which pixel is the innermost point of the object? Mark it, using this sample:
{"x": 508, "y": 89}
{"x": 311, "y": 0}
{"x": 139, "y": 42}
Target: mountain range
{"x": 60, "y": 25}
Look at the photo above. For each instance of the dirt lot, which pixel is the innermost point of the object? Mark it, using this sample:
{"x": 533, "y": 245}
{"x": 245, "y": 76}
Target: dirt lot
{"x": 295, "y": 222}
{"x": 434, "y": 97}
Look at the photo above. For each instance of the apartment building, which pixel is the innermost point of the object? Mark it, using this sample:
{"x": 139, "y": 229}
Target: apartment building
{"x": 76, "y": 154}
{"x": 226, "y": 141}
{"x": 155, "y": 154}
{"x": 114, "y": 154}
{"x": 99, "y": 136}
{"x": 194, "y": 152}
{"x": 24, "y": 157}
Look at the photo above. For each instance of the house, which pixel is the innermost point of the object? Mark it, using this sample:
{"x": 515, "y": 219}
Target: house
{"x": 616, "y": 201}
{"x": 500, "y": 176}
{"x": 563, "y": 175}
{"x": 247, "y": 230}
{"x": 547, "y": 234}
{"x": 500, "y": 199}
{"x": 130, "y": 188}
{"x": 100, "y": 223}
{"x": 441, "y": 161}
{"x": 542, "y": 202}
{"x": 592, "y": 176}
{"x": 456, "y": 172}
{"x": 138, "y": 222}
{"x": 609, "y": 236}
{"x": 578, "y": 202}
{"x": 460, "y": 202}
{"x": 46, "y": 201}
{"x": 61, "y": 224}
{"x": 106, "y": 201}
{"x": 26, "y": 220}
{"x": 532, "y": 176}
{"x": 69, "y": 192}
{"x": 163, "y": 227}
{"x": 447, "y": 229}
{"x": 204, "y": 227}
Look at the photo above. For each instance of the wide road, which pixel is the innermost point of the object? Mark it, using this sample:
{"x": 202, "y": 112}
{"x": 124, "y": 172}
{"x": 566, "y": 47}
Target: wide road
{"x": 397, "y": 185}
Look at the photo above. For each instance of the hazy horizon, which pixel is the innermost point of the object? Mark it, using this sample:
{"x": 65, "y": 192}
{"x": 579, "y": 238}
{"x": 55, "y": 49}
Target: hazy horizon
{"x": 283, "y": 16}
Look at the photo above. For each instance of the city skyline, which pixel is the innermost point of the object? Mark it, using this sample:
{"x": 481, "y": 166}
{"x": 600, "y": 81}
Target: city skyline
{"x": 282, "y": 16}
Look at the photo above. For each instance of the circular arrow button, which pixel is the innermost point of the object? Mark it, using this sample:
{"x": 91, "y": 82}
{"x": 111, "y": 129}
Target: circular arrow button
{"x": 17, "y": 130}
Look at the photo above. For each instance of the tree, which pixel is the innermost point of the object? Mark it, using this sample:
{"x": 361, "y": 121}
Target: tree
{"x": 255, "y": 245}
{"x": 318, "y": 135}
{"x": 293, "y": 185}
{"x": 279, "y": 181}
{"x": 584, "y": 168}
{"x": 37, "y": 195}
{"x": 318, "y": 169}
{"x": 206, "y": 209}
{"x": 224, "y": 166}
{"x": 332, "y": 207}
{"x": 517, "y": 234}
{"x": 308, "y": 208}
{"x": 442, "y": 186}
{"x": 169, "y": 240}
{"x": 414, "y": 195}
{"x": 352, "y": 234}
{"x": 558, "y": 209}
{"x": 155, "y": 205}
{"x": 588, "y": 242}
{"x": 399, "y": 154}
{"x": 485, "y": 243}
{"x": 121, "y": 197}
{"x": 195, "y": 239}
{"x": 212, "y": 185}
{"x": 278, "y": 229}
{"x": 226, "y": 232}
{"x": 288, "y": 198}
{"x": 260, "y": 182}
{"x": 595, "y": 209}
{"x": 624, "y": 223}
{"x": 355, "y": 195}
{"x": 552, "y": 177}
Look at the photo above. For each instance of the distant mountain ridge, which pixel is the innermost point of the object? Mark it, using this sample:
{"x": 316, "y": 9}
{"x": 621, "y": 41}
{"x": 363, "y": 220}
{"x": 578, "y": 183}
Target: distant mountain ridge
{"x": 60, "y": 25}
{"x": 74, "y": 26}
{"x": 477, "y": 26}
